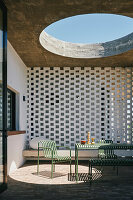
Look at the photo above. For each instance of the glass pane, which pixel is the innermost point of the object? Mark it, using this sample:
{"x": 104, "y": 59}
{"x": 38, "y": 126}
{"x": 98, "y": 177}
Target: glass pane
{"x": 1, "y": 104}
{"x": 11, "y": 111}
{"x": 1, "y": 159}
{"x": 1, "y": 63}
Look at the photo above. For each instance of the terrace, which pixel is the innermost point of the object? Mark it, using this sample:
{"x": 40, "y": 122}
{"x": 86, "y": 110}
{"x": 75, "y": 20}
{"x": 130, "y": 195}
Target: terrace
{"x": 59, "y": 93}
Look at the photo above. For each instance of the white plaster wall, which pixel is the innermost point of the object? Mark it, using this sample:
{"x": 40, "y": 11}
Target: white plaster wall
{"x": 16, "y": 80}
{"x": 16, "y": 145}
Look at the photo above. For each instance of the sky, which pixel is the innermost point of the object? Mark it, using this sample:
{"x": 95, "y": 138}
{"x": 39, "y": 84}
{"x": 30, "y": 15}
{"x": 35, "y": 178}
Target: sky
{"x": 91, "y": 28}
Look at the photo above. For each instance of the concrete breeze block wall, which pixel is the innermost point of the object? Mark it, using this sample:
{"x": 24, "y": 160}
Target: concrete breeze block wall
{"x": 63, "y": 104}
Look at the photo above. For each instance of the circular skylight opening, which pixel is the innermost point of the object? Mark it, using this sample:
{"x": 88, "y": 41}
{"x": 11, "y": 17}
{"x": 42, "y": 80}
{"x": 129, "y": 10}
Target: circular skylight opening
{"x": 89, "y": 36}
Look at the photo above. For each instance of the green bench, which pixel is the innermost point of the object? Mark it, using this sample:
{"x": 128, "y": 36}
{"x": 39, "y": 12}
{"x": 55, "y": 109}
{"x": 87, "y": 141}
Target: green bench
{"x": 109, "y": 158}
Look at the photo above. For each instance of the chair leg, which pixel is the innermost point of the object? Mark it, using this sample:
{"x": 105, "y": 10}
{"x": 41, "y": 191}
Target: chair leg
{"x": 52, "y": 169}
{"x": 38, "y": 164}
{"x": 70, "y": 167}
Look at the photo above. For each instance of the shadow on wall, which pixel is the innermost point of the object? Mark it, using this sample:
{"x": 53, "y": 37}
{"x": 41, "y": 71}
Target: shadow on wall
{"x": 12, "y": 167}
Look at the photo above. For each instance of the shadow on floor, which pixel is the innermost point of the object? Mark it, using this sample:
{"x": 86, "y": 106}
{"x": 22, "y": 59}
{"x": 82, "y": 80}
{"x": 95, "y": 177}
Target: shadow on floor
{"x": 47, "y": 174}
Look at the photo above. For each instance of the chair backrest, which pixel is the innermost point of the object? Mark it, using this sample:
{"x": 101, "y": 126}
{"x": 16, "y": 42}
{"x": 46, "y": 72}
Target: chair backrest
{"x": 48, "y": 147}
{"x": 108, "y": 141}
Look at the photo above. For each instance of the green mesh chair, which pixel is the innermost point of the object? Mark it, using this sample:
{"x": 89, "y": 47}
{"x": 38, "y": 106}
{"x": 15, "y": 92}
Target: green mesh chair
{"x": 106, "y": 153}
{"x": 49, "y": 149}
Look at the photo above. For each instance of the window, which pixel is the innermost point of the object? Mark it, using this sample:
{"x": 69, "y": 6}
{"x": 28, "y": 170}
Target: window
{"x": 11, "y": 110}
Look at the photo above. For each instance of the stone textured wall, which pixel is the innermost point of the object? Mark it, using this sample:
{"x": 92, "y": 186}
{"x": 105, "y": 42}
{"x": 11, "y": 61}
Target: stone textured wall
{"x": 98, "y": 50}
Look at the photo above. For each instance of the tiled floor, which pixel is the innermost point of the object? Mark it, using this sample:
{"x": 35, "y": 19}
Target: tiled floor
{"x": 25, "y": 184}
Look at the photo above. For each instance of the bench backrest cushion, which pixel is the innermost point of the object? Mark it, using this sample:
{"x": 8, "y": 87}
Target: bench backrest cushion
{"x": 34, "y": 142}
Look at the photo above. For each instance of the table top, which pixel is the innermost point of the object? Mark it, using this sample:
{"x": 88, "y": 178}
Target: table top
{"x": 90, "y": 146}
{"x": 102, "y": 145}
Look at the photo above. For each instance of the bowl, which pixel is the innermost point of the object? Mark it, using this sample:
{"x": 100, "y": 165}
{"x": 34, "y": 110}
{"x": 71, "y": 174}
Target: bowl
{"x": 92, "y": 142}
{"x": 83, "y": 141}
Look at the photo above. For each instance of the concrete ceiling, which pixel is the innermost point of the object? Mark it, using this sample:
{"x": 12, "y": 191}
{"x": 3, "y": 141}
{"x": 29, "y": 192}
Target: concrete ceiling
{"x": 27, "y": 19}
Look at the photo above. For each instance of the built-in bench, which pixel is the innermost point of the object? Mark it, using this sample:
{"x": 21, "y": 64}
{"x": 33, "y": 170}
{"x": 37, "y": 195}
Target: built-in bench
{"x": 32, "y": 154}
{"x": 109, "y": 158}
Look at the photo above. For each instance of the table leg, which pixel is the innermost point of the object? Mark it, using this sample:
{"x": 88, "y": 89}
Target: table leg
{"x": 77, "y": 166}
{"x": 76, "y": 163}
{"x": 90, "y": 174}
{"x": 75, "y": 160}
{"x": 89, "y": 168}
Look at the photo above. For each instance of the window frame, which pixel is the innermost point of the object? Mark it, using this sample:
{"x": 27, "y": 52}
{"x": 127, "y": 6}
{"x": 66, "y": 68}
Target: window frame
{"x": 12, "y": 110}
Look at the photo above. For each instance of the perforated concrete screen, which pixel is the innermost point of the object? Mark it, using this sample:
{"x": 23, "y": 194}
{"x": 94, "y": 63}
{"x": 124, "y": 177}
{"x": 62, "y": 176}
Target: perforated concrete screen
{"x": 63, "y": 104}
